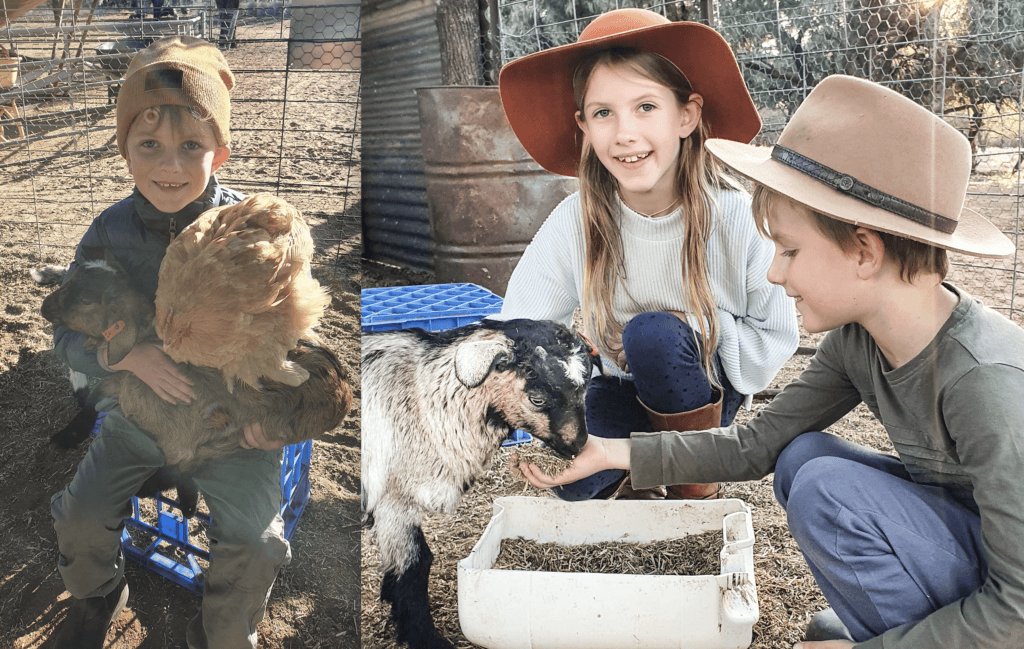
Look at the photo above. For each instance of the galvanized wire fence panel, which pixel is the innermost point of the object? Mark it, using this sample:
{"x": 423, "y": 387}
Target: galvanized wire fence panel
{"x": 961, "y": 59}
{"x": 294, "y": 121}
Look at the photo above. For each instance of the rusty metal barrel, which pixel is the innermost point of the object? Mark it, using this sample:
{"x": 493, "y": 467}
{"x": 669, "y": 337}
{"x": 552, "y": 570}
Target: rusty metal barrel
{"x": 486, "y": 197}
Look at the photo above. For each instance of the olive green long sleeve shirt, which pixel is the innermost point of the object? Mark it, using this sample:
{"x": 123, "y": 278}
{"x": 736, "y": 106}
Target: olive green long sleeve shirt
{"x": 955, "y": 414}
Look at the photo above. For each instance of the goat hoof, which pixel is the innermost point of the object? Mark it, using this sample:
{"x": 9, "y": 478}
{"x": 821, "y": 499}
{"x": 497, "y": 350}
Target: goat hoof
{"x": 66, "y": 439}
{"x": 428, "y": 640}
{"x": 77, "y": 431}
{"x": 437, "y": 642}
{"x": 441, "y": 643}
{"x": 188, "y": 501}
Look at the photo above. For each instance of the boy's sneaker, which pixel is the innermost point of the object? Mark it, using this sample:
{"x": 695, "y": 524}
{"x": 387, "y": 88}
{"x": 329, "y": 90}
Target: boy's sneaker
{"x": 826, "y": 625}
{"x": 86, "y": 624}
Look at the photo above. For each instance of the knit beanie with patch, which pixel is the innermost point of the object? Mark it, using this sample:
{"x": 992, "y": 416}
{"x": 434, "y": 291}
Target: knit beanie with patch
{"x": 179, "y": 71}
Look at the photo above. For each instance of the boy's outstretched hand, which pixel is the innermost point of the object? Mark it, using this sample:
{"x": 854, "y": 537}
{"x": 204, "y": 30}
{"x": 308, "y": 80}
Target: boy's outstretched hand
{"x": 148, "y": 362}
{"x": 597, "y": 454}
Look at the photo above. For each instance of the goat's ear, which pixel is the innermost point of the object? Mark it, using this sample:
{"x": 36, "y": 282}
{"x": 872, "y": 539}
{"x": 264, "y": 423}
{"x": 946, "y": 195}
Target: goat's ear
{"x": 122, "y": 342}
{"x": 473, "y": 360}
{"x": 113, "y": 263}
{"x": 590, "y": 349}
{"x": 121, "y": 330}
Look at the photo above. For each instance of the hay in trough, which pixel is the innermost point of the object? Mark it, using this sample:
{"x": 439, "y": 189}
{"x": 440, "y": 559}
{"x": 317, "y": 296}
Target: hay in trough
{"x": 691, "y": 555}
{"x": 546, "y": 460}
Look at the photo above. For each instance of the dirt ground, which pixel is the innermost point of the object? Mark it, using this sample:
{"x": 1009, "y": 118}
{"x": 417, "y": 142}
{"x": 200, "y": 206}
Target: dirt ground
{"x": 787, "y": 593}
{"x": 313, "y": 162}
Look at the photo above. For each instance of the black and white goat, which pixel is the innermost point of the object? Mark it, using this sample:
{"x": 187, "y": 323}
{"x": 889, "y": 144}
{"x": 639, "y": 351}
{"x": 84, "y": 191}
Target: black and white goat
{"x": 436, "y": 407}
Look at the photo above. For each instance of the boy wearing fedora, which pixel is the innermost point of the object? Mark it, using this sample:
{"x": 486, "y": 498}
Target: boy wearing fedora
{"x": 862, "y": 197}
{"x": 173, "y": 115}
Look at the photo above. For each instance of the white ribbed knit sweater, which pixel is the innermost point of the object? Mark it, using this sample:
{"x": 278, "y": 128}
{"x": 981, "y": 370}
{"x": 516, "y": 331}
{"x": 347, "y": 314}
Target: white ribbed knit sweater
{"x": 757, "y": 321}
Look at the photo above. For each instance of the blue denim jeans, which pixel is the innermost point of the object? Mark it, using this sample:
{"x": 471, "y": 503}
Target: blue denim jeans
{"x": 884, "y": 550}
{"x": 663, "y": 354}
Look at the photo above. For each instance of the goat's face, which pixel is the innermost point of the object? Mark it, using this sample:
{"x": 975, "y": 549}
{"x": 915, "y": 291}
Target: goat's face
{"x": 545, "y": 383}
{"x": 98, "y": 301}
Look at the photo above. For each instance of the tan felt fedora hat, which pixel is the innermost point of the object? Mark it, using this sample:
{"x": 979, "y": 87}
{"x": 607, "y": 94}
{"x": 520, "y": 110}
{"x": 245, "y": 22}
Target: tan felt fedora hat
{"x": 536, "y": 90}
{"x": 861, "y": 153}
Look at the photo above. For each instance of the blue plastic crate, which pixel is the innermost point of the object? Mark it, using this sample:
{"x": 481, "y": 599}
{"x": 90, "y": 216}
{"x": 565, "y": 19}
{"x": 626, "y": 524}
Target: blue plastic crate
{"x": 434, "y": 307}
{"x": 173, "y": 534}
{"x": 517, "y": 437}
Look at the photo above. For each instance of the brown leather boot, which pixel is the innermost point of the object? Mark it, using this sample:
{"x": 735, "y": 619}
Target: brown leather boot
{"x": 701, "y": 491}
{"x": 709, "y": 416}
{"x": 625, "y": 491}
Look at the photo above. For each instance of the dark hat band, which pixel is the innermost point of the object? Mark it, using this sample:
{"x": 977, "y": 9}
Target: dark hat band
{"x": 866, "y": 193}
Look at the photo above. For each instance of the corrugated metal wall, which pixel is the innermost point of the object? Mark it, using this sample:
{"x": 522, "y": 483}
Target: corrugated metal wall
{"x": 400, "y": 53}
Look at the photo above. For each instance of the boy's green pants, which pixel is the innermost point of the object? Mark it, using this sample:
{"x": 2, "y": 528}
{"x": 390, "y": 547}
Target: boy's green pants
{"x": 247, "y": 544}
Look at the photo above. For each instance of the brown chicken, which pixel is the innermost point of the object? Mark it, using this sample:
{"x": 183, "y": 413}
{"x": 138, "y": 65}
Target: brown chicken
{"x": 235, "y": 292}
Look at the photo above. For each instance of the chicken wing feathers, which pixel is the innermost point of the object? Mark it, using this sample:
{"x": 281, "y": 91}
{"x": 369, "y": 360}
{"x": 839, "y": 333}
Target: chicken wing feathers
{"x": 235, "y": 291}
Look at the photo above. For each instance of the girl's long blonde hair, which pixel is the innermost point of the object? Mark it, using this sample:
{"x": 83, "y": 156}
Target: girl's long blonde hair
{"x": 697, "y": 175}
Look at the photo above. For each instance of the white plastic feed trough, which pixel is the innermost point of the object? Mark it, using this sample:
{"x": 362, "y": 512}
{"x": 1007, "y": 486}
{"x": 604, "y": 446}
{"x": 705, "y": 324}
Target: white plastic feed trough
{"x": 517, "y": 609}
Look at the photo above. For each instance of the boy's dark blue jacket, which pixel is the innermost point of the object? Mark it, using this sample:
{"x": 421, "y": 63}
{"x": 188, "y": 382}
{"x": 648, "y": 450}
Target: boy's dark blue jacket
{"x": 134, "y": 234}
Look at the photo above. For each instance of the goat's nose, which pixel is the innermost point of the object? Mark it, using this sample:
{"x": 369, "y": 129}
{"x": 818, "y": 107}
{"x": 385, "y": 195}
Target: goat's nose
{"x": 50, "y": 307}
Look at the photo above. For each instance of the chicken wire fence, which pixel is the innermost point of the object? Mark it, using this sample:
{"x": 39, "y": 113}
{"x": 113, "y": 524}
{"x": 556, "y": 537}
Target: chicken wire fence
{"x": 961, "y": 59}
{"x": 294, "y": 113}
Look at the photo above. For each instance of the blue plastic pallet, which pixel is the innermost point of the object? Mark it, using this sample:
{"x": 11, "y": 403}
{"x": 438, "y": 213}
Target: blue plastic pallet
{"x": 434, "y": 307}
{"x": 173, "y": 531}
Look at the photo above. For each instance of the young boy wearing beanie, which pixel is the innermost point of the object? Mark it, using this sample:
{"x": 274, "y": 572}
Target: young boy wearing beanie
{"x": 863, "y": 195}
{"x": 173, "y": 115}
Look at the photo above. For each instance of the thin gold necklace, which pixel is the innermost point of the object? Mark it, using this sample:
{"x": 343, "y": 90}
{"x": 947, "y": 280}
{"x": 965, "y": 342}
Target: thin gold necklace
{"x": 659, "y": 212}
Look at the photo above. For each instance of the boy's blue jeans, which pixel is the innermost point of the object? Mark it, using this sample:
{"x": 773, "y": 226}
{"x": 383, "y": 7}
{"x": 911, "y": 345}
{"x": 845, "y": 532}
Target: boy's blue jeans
{"x": 247, "y": 544}
{"x": 884, "y": 550}
{"x": 663, "y": 354}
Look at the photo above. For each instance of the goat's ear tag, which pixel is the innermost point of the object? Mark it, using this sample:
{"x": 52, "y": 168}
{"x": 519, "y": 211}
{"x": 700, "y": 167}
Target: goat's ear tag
{"x": 593, "y": 347}
{"x": 123, "y": 335}
{"x": 113, "y": 330}
{"x": 473, "y": 360}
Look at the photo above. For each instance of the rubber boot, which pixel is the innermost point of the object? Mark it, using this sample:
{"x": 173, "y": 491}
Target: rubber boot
{"x": 87, "y": 621}
{"x": 709, "y": 416}
{"x": 826, "y": 625}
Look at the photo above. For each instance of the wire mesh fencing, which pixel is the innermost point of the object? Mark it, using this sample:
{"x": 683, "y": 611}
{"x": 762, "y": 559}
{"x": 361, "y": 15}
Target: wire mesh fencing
{"x": 294, "y": 119}
{"x": 961, "y": 59}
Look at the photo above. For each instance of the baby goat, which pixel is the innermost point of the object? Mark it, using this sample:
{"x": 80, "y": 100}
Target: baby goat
{"x": 436, "y": 407}
{"x": 99, "y": 301}
{"x": 81, "y": 426}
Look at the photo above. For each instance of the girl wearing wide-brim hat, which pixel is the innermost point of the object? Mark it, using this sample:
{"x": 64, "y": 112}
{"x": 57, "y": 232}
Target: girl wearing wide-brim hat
{"x": 657, "y": 248}
{"x": 863, "y": 196}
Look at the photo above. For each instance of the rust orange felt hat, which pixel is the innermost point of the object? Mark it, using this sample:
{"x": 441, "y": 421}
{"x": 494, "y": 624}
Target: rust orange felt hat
{"x": 536, "y": 90}
{"x": 858, "y": 152}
